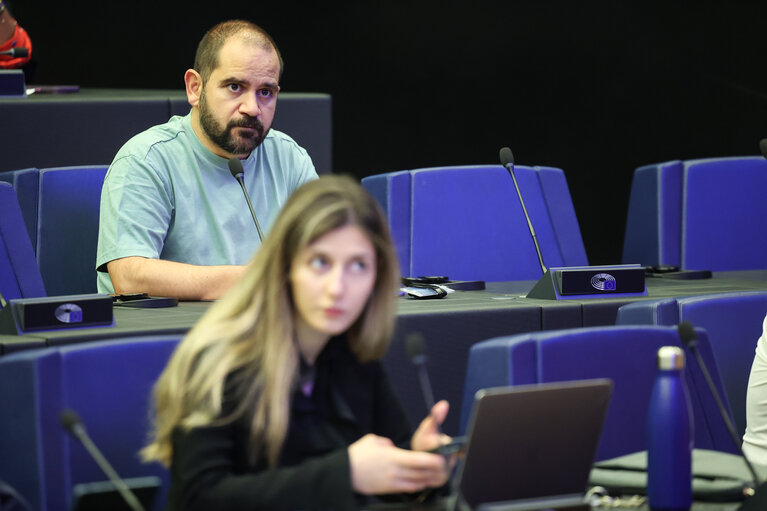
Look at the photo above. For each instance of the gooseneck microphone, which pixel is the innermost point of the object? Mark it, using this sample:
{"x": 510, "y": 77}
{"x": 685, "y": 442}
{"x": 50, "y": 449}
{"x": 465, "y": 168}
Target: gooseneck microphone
{"x": 235, "y": 167}
{"x": 507, "y": 160}
{"x": 690, "y": 339}
{"x": 416, "y": 352}
{"x": 16, "y": 53}
{"x": 763, "y": 147}
{"x": 71, "y": 422}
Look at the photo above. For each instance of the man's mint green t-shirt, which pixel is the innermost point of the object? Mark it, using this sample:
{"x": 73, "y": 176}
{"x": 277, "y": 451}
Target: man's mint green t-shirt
{"x": 167, "y": 196}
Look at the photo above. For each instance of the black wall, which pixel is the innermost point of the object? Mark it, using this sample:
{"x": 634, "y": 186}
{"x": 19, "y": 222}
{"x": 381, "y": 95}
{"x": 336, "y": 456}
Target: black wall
{"x": 594, "y": 87}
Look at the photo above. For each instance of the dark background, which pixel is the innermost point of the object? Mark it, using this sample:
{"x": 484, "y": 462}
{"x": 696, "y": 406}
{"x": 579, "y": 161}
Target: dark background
{"x": 596, "y": 88}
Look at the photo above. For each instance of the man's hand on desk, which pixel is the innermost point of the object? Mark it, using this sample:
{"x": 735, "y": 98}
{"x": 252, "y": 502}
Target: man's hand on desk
{"x": 158, "y": 277}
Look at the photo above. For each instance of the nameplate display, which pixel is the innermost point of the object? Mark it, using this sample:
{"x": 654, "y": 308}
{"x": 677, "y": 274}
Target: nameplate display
{"x": 580, "y": 282}
{"x": 12, "y": 83}
{"x": 26, "y": 315}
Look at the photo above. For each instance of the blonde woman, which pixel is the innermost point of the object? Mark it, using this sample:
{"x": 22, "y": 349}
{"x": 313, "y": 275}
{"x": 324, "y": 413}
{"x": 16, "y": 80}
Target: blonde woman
{"x": 276, "y": 399}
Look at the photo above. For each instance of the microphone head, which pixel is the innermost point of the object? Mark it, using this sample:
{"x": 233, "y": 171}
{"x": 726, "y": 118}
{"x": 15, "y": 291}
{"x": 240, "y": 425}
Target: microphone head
{"x": 235, "y": 167}
{"x": 416, "y": 348}
{"x": 20, "y": 53}
{"x": 506, "y": 157}
{"x": 687, "y": 334}
{"x": 763, "y": 147}
{"x": 70, "y": 420}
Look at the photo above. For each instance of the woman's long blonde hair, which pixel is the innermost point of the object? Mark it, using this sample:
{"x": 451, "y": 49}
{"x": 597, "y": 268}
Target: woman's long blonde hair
{"x": 246, "y": 339}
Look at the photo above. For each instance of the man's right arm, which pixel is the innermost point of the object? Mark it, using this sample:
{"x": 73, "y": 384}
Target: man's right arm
{"x": 158, "y": 277}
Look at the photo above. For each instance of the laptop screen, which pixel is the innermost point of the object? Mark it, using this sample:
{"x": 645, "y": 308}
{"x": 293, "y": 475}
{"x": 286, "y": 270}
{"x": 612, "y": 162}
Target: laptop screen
{"x": 533, "y": 442}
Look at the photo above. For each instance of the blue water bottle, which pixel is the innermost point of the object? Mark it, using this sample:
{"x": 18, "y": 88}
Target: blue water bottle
{"x": 669, "y": 436}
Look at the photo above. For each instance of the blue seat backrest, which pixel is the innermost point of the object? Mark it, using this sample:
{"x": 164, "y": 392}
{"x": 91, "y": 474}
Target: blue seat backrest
{"x": 466, "y": 222}
{"x": 68, "y": 223}
{"x": 392, "y": 191}
{"x": 26, "y": 183}
{"x": 733, "y": 322}
{"x": 654, "y": 220}
{"x": 698, "y": 214}
{"x": 19, "y": 274}
{"x": 626, "y": 355}
{"x": 108, "y": 384}
{"x": 559, "y": 204}
{"x": 725, "y": 227}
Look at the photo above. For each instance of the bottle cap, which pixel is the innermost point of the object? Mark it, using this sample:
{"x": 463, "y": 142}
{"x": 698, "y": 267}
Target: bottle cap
{"x": 670, "y": 357}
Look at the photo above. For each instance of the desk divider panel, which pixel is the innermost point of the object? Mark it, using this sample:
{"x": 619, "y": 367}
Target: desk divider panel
{"x": 74, "y": 132}
{"x": 89, "y": 127}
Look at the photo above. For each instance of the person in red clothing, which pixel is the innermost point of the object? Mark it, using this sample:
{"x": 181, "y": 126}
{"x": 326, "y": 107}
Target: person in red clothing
{"x": 12, "y": 35}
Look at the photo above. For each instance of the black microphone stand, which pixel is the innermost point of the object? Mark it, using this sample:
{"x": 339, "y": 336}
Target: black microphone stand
{"x": 416, "y": 351}
{"x": 507, "y": 160}
{"x": 71, "y": 422}
{"x": 235, "y": 167}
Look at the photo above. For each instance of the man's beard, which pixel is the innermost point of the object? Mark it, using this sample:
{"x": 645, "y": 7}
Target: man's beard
{"x": 225, "y": 137}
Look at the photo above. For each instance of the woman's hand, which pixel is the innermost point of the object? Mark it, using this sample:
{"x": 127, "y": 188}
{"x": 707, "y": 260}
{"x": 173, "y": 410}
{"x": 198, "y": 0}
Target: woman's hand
{"x": 428, "y": 436}
{"x": 379, "y": 467}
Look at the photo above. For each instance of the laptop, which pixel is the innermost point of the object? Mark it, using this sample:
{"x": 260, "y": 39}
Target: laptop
{"x": 532, "y": 446}
{"x": 529, "y": 447}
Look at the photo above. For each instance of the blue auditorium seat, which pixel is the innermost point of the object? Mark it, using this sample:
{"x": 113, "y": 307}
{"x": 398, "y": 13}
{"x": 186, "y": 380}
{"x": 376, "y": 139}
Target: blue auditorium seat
{"x": 733, "y": 322}
{"x": 19, "y": 274}
{"x": 67, "y": 229}
{"x": 699, "y": 215}
{"x": 26, "y": 183}
{"x": 392, "y": 191}
{"x": 108, "y": 384}
{"x": 625, "y": 354}
{"x": 466, "y": 222}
